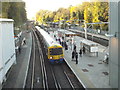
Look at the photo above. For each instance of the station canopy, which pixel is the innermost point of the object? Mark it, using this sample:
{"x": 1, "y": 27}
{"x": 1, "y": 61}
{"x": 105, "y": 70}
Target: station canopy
{"x": 66, "y": 32}
{"x": 89, "y": 43}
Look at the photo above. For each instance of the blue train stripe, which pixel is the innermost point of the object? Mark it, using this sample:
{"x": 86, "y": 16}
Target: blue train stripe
{"x": 56, "y": 61}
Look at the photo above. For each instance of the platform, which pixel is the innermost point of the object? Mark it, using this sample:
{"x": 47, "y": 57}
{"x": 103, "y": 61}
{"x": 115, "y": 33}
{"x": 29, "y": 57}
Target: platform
{"x": 91, "y": 71}
{"x": 17, "y": 75}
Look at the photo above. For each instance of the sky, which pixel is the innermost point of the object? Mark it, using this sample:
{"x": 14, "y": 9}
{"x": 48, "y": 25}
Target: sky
{"x": 35, "y": 5}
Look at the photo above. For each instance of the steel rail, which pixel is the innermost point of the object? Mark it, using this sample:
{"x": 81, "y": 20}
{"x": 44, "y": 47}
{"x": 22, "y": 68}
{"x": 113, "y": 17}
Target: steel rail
{"x": 45, "y": 83}
{"x": 70, "y": 82}
{"x": 33, "y": 69}
{"x": 57, "y": 84}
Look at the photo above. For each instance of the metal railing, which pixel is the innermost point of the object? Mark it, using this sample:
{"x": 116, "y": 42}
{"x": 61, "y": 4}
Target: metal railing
{"x": 94, "y": 31}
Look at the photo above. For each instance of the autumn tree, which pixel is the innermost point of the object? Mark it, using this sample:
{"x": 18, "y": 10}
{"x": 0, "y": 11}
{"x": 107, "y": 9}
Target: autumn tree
{"x": 91, "y": 12}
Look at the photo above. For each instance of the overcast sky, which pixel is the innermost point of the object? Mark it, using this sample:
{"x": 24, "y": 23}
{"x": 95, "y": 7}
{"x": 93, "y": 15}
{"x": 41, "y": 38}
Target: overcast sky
{"x": 35, "y": 5}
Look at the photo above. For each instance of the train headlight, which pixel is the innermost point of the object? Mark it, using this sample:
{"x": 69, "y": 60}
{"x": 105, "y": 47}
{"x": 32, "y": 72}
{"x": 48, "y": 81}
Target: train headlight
{"x": 50, "y": 57}
{"x": 61, "y": 56}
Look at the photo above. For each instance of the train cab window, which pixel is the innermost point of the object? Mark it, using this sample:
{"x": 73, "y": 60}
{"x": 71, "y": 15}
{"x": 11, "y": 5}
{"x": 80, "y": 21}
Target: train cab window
{"x": 56, "y": 51}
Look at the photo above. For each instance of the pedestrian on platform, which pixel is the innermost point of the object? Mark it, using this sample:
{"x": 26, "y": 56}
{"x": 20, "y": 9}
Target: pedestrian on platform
{"x": 56, "y": 39}
{"x": 75, "y": 47}
{"x": 24, "y": 40}
{"x": 73, "y": 54}
{"x": 62, "y": 37}
{"x": 80, "y": 52}
{"x": 62, "y": 43}
{"x": 59, "y": 40}
{"x": 83, "y": 49}
{"x": 66, "y": 46}
{"x": 54, "y": 36}
{"x": 76, "y": 56}
{"x": 19, "y": 49}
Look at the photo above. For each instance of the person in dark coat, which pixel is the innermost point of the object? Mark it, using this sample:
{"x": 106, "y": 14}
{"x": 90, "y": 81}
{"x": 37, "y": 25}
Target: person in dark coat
{"x": 62, "y": 43}
{"x": 56, "y": 39}
{"x": 66, "y": 46}
{"x": 76, "y": 56}
{"x": 80, "y": 52}
{"x": 83, "y": 49}
{"x": 75, "y": 47}
{"x": 54, "y": 36}
{"x": 59, "y": 40}
{"x": 19, "y": 49}
{"x": 73, "y": 54}
{"x": 24, "y": 41}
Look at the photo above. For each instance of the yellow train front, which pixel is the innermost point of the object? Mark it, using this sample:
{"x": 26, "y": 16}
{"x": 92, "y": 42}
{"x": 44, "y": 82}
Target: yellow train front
{"x": 54, "y": 50}
{"x": 55, "y": 54}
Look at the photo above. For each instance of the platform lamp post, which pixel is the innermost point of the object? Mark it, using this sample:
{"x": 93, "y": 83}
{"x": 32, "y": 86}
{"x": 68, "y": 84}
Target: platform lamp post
{"x": 59, "y": 24}
{"x": 85, "y": 29}
{"x": 64, "y": 30}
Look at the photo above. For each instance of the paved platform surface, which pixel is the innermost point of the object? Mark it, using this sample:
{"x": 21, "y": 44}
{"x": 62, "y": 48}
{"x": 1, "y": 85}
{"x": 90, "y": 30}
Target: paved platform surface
{"x": 17, "y": 75}
{"x": 91, "y": 71}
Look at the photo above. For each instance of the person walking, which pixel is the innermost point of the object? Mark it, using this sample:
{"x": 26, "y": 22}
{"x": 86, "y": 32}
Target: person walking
{"x": 75, "y": 47}
{"x": 24, "y": 40}
{"x": 59, "y": 40}
{"x": 80, "y": 52}
{"x": 76, "y": 56}
{"x": 66, "y": 46}
{"x": 83, "y": 49}
{"x": 19, "y": 49}
{"x": 73, "y": 54}
{"x": 54, "y": 36}
{"x": 62, "y": 43}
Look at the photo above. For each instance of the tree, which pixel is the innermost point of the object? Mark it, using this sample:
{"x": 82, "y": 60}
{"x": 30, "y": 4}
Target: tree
{"x": 91, "y": 12}
{"x": 15, "y": 11}
{"x": 5, "y": 9}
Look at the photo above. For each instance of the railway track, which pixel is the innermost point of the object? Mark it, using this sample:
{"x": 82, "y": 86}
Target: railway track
{"x": 44, "y": 75}
{"x": 42, "y": 64}
{"x": 36, "y": 74}
{"x": 59, "y": 76}
{"x": 50, "y": 76}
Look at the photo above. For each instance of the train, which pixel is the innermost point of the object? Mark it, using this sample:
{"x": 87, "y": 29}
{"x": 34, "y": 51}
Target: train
{"x": 54, "y": 50}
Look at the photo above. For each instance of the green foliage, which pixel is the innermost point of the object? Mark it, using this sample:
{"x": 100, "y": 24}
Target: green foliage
{"x": 91, "y": 12}
{"x": 5, "y": 9}
{"x": 15, "y": 11}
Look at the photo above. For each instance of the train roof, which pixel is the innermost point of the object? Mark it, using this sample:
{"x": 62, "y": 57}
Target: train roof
{"x": 50, "y": 41}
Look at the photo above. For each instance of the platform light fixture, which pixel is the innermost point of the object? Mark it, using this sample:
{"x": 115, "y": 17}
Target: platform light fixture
{"x": 109, "y": 35}
{"x": 112, "y": 35}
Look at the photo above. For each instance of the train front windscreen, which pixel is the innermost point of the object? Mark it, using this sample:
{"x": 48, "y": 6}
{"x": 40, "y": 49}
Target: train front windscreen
{"x": 56, "y": 51}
